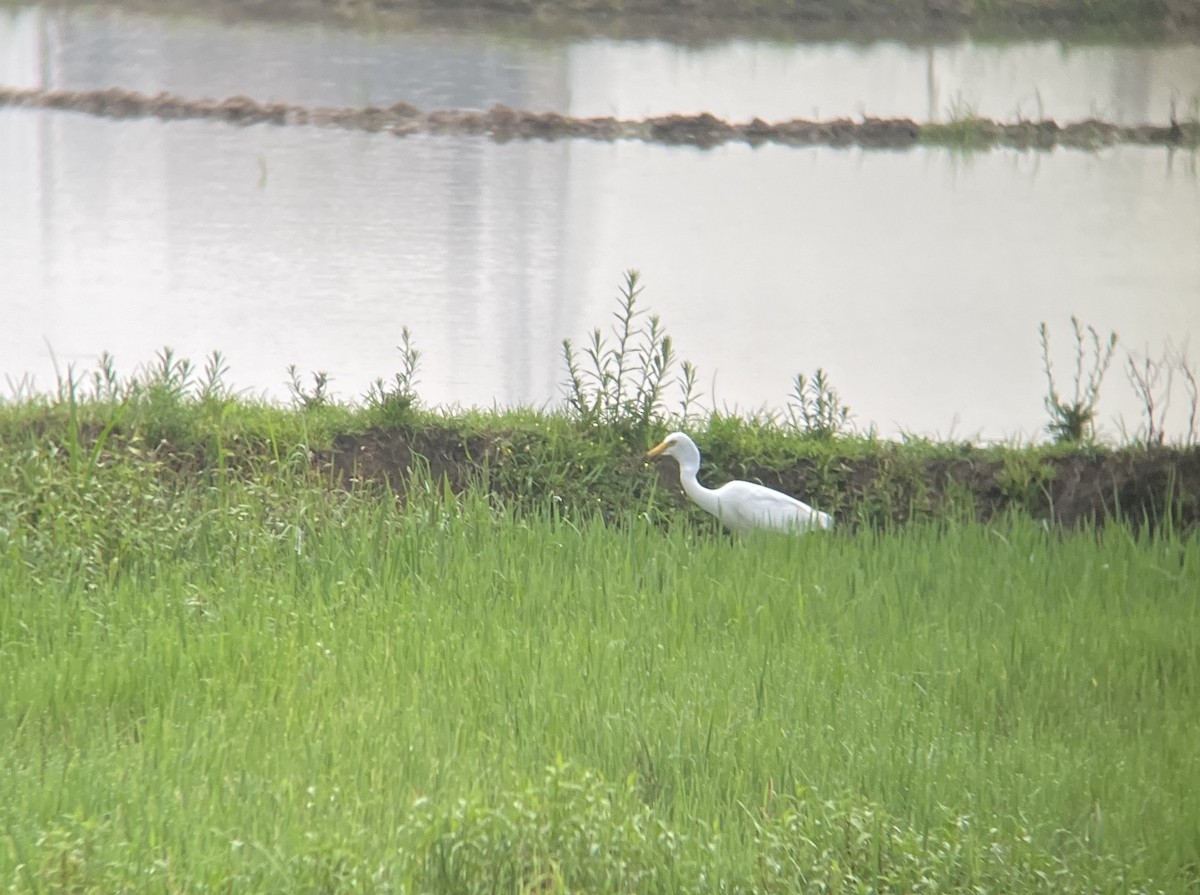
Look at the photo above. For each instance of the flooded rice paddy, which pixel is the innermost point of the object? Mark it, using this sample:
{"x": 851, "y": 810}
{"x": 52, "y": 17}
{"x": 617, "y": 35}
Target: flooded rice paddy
{"x": 472, "y": 68}
{"x": 916, "y": 278}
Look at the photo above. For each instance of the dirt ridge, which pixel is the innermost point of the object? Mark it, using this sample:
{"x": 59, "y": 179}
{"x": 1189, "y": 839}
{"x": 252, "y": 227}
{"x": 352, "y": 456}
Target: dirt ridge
{"x": 1136, "y": 485}
{"x": 501, "y": 123}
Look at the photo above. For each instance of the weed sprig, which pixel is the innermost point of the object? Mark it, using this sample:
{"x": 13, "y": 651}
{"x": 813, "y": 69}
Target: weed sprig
{"x": 620, "y": 379}
{"x": 1074, "y": 420}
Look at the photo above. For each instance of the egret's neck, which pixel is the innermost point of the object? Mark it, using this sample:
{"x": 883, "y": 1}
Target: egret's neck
{"x": 705, "y": 498}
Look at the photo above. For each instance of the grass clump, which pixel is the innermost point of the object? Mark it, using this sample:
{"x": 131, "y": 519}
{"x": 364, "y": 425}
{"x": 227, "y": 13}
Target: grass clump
{"x": 170, "y": 407}
{"x": 392, "y": 405}
{"x": 281, "y": 686}
{"x": 964, "y": 128}
{"x": 1025, "y": 477}
{"x": 1074, "y": 420}
{"x": 619, "y": 384}
{"x": 816, "y": 409}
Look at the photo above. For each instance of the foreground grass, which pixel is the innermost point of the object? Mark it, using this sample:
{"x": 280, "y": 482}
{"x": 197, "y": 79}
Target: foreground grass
{"x": 254, "y": 682}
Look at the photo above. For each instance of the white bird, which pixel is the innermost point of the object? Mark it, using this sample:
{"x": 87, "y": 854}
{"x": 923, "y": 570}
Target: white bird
{"x": 741, "y": 506}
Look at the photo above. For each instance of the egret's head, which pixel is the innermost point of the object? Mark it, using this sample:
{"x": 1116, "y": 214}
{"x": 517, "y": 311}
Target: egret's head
{"x": 676, "y": 445}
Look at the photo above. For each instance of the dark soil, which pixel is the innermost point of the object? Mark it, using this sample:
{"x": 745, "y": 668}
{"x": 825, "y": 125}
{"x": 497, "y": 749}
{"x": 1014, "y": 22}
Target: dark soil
{"x": 502, "y": 123}
{"x": 895, "y": 485}
{"x": 1135, "y": 485}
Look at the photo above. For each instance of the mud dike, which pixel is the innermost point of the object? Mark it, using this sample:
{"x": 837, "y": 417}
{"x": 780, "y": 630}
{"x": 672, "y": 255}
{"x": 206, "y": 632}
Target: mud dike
{"x": 501, "y": 123}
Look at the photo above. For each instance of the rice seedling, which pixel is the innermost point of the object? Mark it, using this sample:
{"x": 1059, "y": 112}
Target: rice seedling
{"x": 220, "y": 668}
{"x": 258, "y": 682}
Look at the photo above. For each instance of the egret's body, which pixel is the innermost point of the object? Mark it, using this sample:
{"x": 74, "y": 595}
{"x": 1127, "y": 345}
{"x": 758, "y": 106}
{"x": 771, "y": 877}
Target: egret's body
{"x": 741, "y": 506}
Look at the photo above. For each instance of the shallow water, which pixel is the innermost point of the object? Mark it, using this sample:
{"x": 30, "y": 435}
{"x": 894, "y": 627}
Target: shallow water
{"x": 442, "y": 67}
{"x": 917, "y": 279}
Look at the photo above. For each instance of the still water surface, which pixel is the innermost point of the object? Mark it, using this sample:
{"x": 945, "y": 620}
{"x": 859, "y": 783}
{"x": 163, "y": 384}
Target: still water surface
{"x": 917, "y": 279}
{"x": 310, "y": 63}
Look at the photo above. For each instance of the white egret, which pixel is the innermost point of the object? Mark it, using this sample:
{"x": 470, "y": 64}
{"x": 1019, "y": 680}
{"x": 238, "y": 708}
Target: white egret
{"x": 741, "y": 506}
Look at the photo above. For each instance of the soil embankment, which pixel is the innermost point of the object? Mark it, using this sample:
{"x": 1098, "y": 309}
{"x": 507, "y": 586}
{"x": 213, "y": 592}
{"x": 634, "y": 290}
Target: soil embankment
{"x": 892, "y": 485}
{"x": 502, "y": 123}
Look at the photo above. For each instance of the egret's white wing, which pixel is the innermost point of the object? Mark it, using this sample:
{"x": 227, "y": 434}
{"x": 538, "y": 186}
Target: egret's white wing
{"x": 745, "y": 506}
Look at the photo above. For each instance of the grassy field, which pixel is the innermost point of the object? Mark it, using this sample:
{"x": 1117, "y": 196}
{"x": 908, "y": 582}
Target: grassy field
{"x": 241, "y": 679}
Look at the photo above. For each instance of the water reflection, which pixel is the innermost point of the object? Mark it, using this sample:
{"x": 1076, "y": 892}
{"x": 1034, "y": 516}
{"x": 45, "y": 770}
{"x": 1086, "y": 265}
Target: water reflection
{"x": 737, "y": 80}
{"x": 917, "y": 279}
{"x": 338, "y": 64}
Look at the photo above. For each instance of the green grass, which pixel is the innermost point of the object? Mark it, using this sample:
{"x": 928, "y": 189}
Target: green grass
{"x": 220, "y": 670}
{"x": 255, "y": 682}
